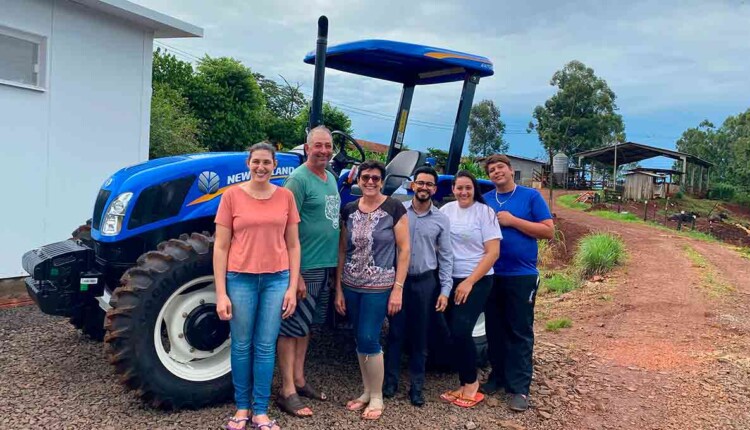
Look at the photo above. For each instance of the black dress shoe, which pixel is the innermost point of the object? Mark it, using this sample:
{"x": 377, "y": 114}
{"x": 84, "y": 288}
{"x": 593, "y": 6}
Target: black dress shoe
{"x": 389, "y": 390}
{"x": 416, "y": 397}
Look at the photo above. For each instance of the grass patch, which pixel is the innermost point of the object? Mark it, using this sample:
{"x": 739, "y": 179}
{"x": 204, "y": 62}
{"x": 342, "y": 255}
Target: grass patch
{"x": 709, "y": 278}
{"x": 568, "y": 201}
{"x": 559, "y": 323}
{"x": 745, "y": 252}
{"x": 560, "y": 283}
{"x": 599, "y": 253}
{"x": 622, "y": 216}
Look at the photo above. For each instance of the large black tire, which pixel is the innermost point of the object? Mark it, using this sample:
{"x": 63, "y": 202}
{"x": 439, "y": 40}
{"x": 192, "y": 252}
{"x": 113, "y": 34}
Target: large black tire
{"x": 88, "y": 317}
{"x": 130, "y": 324}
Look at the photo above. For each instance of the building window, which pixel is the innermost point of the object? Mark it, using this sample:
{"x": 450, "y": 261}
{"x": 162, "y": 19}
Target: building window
{"x": 22, "y": 59}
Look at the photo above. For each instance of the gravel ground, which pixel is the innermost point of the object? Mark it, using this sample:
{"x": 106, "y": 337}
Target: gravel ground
{"x": 56, "y": 378}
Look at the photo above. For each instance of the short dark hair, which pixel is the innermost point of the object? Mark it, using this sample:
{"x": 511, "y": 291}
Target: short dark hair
{"x": 261, "y": 146}
{"x": 369, "y": 165}
{"x": 427, "y": 170}
{"x": 494, "y": 159}
{"x": 477, "y": 191}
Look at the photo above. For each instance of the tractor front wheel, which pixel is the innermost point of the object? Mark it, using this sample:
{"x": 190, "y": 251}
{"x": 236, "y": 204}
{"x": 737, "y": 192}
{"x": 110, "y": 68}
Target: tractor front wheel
{"x": 165, "y": 338}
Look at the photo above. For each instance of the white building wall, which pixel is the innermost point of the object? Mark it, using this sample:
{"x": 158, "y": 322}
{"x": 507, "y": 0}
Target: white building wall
{"x": 59, "y": 145}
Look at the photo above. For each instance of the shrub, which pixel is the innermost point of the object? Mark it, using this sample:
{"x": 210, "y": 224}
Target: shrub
{"x": 598, "y": 254}
{"x": 722, "y": 191}
{"x": 679, "y": 195}
{"x": 742, "y": 199}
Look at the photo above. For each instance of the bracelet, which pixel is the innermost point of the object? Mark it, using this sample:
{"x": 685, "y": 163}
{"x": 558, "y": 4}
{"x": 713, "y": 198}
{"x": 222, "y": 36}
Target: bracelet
{"x": 398, "y": 284}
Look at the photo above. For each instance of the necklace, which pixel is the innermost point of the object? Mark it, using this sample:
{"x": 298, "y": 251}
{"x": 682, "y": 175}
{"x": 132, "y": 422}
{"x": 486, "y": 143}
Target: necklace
{"x": 506, "y": 200}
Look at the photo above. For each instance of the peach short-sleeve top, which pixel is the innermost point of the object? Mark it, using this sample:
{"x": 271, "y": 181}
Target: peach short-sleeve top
{"x": 258, "y": 228}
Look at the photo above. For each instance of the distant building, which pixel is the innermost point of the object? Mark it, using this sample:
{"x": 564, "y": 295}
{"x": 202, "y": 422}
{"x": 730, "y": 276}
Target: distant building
{"x": 373, "y": 146}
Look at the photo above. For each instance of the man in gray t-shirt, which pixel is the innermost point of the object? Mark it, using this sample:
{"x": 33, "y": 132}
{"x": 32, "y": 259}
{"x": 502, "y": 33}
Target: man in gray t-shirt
{"x": 425, "y": 290}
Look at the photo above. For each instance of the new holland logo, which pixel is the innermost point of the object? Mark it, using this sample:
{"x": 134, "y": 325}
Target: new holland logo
{"x": 208, "y": 182}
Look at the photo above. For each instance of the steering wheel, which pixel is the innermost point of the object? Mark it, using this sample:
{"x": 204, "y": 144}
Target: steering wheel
{"x": 341, "y": 159}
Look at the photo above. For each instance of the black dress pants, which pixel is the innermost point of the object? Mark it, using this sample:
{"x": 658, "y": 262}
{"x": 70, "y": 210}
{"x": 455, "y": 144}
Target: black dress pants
{"x": 509, "y": 318}
{"x": 419, "y": 299}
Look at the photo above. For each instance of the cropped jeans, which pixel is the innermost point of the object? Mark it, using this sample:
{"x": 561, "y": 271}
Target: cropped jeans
{"x": 256, "y": 319}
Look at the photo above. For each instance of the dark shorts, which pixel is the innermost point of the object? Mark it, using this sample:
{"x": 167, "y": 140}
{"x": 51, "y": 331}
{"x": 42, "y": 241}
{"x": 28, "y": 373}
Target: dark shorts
{"x": 298, "y": 325}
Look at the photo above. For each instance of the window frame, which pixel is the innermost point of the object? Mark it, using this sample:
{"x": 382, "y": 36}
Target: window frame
{"x": 41, "y": 42}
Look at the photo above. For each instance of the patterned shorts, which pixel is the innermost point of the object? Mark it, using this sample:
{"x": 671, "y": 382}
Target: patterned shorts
{"x": 298, "y": 325}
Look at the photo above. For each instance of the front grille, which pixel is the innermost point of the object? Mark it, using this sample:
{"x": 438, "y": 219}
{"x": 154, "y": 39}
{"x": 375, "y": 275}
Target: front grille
{"x": 160, "y": 201}
{"x": 101, "y": 201}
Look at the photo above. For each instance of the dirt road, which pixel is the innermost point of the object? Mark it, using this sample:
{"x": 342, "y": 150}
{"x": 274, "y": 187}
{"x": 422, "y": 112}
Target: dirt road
{"x": 667, "y": 337}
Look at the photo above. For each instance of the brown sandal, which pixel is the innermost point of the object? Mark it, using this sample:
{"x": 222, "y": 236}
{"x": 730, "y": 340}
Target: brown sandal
{"x": 311, "y": 393}
{"x": 292, "y": 405}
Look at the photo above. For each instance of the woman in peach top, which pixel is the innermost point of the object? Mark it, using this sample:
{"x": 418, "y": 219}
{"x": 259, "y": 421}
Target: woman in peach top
{"x": 256, "y": 267}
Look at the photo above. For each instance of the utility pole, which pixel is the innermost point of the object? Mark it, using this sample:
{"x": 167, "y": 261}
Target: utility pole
{"x": 614, "y": 170}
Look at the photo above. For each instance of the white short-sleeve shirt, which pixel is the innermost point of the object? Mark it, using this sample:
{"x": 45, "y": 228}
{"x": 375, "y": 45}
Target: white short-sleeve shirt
{"x": 470, "y": 229}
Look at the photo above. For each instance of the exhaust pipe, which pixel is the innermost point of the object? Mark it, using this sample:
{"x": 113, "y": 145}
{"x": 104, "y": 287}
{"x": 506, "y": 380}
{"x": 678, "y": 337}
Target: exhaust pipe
{"x": 316, "y": 109}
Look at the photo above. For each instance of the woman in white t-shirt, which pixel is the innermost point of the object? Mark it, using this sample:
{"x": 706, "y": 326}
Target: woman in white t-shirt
{"x": 475, "y": 236}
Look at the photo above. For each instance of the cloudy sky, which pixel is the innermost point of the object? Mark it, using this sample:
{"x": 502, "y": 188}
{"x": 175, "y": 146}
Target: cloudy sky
{"x": 671, "y": 63}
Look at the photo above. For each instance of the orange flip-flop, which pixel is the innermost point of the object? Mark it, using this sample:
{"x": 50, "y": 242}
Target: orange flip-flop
{"x": 450, "y": 396}
{"x": 465, "y": 402}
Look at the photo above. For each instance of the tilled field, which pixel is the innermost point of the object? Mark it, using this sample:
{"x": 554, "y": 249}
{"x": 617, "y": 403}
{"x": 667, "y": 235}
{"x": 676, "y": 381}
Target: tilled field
{"x": 53, "y": 377}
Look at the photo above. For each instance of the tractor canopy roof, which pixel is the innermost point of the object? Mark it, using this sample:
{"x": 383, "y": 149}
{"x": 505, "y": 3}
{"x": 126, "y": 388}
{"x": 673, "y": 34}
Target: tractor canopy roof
{"x": 404, "y": 62}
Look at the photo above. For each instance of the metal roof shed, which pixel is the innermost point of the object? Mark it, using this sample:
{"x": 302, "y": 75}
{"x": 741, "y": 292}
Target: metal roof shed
{"x": 632, "y": 152}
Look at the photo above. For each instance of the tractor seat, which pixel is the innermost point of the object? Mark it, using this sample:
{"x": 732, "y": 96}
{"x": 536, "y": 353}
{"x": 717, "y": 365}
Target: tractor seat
{"x": 400, "y": 169}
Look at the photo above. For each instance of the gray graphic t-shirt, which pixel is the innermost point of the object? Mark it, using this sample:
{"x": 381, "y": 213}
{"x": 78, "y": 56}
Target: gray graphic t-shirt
{"x": 371, "y": 245}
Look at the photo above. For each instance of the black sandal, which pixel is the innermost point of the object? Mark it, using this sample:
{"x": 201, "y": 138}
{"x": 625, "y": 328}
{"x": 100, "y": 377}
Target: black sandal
{"x": 311, "y": 393}
{"x": 292, "y": 405}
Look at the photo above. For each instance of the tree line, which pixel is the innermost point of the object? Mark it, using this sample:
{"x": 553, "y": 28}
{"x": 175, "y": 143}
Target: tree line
{"x": 222, "y": 105}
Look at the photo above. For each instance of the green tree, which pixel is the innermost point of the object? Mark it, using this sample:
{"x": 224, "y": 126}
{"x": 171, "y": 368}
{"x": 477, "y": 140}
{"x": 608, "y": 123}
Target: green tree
{"x": 167, "y": 69}
{"x": 284, "y": 102}
{"x": 174, "y": 130}
{"x": 229, "y": 102}
{"x": 333, "y": 118}
{"x": 581, "y": 115}
{"x": 486, "y": 130}
{"x": 734, "y": 135}
{"x": 440, "y": 156}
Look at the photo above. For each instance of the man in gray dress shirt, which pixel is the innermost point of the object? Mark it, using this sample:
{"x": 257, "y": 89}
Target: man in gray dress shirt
{"x": 424, "y": 289}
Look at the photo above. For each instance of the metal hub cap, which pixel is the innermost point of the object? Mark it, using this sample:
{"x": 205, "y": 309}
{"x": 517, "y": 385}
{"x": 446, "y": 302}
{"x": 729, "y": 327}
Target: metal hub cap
{"x": 203, "y": 328}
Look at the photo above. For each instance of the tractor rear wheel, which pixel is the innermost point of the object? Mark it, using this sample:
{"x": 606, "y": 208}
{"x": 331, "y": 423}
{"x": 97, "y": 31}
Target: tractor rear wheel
{"x": 163, "y": 334}
{"x": 88, "y": 317}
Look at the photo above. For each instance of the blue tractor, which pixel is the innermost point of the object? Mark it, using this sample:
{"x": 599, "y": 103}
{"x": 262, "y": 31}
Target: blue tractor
{"x": 139, "y": 274}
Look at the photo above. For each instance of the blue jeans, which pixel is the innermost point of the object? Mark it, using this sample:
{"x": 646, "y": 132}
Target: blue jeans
{"x": 256, "y": 318}
{"x": 366, "y": 312}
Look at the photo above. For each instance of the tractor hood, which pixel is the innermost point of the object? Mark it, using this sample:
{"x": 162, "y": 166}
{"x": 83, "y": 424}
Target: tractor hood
{"x": 168, "y": 190}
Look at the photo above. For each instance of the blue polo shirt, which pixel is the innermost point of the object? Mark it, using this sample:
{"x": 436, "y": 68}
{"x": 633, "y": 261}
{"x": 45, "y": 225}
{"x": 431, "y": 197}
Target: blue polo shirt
{"x": 518, "y": 251}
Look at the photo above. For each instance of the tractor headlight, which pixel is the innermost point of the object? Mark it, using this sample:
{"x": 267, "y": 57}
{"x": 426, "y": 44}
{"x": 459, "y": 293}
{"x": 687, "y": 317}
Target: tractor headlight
{"x": 115, "y": 214}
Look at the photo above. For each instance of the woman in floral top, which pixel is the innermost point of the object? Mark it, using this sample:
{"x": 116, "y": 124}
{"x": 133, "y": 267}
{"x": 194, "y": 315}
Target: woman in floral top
{"x": 374, "y": 259}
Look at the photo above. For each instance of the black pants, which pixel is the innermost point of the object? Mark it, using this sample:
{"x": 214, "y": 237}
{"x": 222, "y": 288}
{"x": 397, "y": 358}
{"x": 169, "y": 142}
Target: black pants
{"x": 461, "y": 320}
{"x": 419, "y": 299}
{"x": 509, "y": 318}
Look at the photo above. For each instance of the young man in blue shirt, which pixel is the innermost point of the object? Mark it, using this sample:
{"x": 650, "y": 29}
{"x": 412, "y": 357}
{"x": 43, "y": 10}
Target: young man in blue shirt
{"x": 524, "y": 217}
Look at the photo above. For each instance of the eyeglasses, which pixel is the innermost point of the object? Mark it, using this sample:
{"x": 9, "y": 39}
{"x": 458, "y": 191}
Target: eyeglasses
{"x": 367, "y": 178}
{"x": 424, "y": 184}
